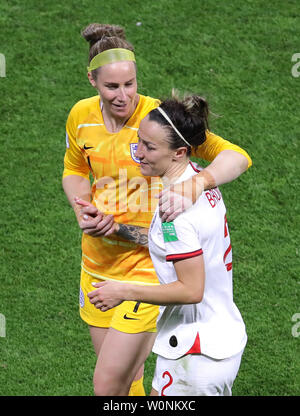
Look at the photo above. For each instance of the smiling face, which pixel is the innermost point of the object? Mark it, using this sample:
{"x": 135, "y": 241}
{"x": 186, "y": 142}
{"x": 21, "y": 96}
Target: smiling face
{"x": 117, "y": 87}
{"x": 156, "y": 156}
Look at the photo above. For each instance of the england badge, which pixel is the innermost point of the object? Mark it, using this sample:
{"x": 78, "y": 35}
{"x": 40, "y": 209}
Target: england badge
{"x": 133, "y": 147}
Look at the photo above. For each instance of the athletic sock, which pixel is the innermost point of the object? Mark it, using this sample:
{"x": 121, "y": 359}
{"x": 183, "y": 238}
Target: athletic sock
{"x": 137, "y": 388}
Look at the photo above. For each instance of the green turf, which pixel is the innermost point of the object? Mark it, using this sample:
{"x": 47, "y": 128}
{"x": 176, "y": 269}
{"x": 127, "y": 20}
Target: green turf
{"x": 238, "y": 54}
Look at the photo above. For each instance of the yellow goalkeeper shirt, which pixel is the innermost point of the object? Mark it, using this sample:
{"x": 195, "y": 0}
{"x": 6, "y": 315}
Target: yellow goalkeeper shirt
{"x": 118, "y": 187}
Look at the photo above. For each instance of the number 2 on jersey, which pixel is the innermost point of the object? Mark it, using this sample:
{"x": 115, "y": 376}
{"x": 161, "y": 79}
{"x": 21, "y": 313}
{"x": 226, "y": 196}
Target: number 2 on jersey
{"x": 166, "y": 373}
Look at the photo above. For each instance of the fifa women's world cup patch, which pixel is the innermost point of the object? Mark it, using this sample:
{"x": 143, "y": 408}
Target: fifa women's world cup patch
{"x": 133, "y": 147}
{"x": 169, "y": 232}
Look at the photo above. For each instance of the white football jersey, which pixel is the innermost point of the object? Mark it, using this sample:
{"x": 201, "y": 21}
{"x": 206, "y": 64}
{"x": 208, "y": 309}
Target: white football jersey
{"x": 214, "y": 326}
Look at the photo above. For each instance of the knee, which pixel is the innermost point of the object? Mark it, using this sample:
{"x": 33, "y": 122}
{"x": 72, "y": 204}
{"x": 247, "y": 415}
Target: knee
{"x": 98, "y": 388}
{"x": 105, "y": 386}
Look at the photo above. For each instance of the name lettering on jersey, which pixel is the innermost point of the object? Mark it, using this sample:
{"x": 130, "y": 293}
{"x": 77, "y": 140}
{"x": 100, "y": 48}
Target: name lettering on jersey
{"x": 169, "y": 232}
{"x": 214, "y": 196}
{"x": 133, "y": 147}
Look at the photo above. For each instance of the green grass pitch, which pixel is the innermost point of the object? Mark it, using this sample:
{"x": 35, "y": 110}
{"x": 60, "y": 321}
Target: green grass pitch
{"x": 237, "y": 54}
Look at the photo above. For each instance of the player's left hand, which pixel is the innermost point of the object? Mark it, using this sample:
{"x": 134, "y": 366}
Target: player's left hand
{"x": 107, "y": 295}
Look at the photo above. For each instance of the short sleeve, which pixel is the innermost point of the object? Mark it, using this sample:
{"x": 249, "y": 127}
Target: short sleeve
{"x": 74, "y": 162}
{"x": 181, "y": 239}
{"x": 214, "y": 145}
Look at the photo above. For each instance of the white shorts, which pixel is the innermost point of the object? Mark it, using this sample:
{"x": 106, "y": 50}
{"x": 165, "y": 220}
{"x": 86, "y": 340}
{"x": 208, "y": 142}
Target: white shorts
{"x": 195, "y": 375}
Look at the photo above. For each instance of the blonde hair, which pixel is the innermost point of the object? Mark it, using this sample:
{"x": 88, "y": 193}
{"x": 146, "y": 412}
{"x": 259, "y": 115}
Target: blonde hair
{"x": 102, "y": 37}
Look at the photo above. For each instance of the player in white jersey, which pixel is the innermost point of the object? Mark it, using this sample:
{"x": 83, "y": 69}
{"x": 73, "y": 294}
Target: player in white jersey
{"x": 201, "y": 334}
{"x": 211, "y": 328}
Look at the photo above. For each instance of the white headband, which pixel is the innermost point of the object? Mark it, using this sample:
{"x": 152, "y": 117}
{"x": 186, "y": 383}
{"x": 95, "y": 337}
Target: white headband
{"x": 170, "y": 122}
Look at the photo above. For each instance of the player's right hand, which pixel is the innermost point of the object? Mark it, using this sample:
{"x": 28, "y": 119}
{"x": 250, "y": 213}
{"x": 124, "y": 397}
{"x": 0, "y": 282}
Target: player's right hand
{"x": 92, "y": 221}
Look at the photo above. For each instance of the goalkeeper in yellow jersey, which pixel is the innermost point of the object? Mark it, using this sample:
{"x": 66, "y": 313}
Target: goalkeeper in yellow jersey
{"x": 101, "y": 140}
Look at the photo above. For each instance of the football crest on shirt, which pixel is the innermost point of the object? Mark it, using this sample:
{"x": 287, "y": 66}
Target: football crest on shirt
{"x": 133, "y": 147}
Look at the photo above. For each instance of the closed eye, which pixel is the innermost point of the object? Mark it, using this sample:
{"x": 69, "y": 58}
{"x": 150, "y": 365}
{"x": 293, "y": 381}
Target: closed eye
{"x": 148, "y": 145}
{"x": 112, "y": 85}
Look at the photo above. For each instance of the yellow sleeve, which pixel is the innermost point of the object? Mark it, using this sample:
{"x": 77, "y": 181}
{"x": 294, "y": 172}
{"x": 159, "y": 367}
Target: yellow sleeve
{"x": 74, "y": 162}
{"x": 149, "y": 105}
{"x": 214, "y": 145}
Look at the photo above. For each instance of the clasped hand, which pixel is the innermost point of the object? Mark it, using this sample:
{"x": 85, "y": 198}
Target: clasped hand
{"x": 107, "y": 295}
{"x": 92, "y": 221}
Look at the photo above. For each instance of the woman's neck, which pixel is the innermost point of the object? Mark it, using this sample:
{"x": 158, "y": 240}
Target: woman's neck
{"x": 114, "y": 124}
{"x": 174, "y": 172}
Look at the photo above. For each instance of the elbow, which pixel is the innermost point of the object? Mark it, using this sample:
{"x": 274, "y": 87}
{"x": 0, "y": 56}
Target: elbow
{"x": 195, "y": 297}
{"x": 245, "y": 163}
{"x": 241, "y": 163}
{"x": 198, "y": 299}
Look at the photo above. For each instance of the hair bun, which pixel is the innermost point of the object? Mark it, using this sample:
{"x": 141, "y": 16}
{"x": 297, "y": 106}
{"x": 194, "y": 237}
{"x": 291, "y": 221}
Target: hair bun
{"x": 96, "y": 31}
{"x": 195, "y": 104}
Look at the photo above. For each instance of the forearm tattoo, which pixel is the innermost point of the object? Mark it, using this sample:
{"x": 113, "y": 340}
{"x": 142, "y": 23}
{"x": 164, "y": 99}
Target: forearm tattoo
{"x": 133, "y": 233}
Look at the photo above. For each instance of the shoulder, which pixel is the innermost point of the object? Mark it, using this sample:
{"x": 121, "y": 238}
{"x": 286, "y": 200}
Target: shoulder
{"x": 212, "y": 146}
{"x": 212, "y": 137}
{"x": 85, "y": 105}
{"x": 147, "y": 104}
{"x": 189, "y": 217}
{"x": 80, "y": 111}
